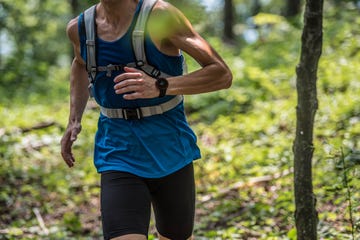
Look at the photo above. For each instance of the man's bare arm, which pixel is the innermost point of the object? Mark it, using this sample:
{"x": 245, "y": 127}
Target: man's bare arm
{"x": 79, "y": 96}
{"x": 171, "y": 32}
{"x": 214, "y": 74}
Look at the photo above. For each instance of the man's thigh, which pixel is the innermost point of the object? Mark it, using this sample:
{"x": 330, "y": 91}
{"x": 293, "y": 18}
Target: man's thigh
{"x": 125, "y": 205}
{"x": 173, "y": 201}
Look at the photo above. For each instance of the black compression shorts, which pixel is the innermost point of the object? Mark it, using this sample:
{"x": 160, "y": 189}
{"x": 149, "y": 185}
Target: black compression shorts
{"x": 126, "y": 204}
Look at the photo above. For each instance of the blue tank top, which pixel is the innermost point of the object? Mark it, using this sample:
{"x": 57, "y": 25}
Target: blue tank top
{"x": 151, "y": 147}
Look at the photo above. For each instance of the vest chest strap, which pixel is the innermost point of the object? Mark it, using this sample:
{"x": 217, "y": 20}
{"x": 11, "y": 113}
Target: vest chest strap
{"x": 141, "y": 112}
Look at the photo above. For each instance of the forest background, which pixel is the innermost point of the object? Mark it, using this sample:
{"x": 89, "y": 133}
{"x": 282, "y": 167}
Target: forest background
{"x": 245, "y": 178}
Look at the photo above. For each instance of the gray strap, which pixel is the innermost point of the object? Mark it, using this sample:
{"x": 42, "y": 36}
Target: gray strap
{"x": 89, "y": 20}
{"x": 152, "y": 71}
{"x": 138, "y": 36}
{"x": 138, "y": 33}
{"x": 185, "y": 66}
{"x": 143, "y": 111}
{"x": 109, "y": 69}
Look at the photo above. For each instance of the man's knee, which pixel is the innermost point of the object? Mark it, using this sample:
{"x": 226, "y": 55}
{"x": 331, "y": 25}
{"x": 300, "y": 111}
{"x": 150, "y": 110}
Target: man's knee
{"x": 175, "y": 231}
{"x": 165, "y": 238}
{"x": 130, "y": 237}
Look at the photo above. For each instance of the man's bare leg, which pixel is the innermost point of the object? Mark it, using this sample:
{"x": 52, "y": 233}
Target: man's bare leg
{"x": 130, "y": 237}
{"x": 164, "y": 238}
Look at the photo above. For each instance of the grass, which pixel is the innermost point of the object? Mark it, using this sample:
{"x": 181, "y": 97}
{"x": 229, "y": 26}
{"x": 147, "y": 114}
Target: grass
{"x": 245, "y": 132}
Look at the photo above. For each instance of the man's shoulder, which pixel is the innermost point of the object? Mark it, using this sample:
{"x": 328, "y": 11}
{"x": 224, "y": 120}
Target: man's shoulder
{"x": 72, "y": 24}
{"x": 164, "y": 7}
{"x": 166, "y": 12}
{"x": 72, "y": 29}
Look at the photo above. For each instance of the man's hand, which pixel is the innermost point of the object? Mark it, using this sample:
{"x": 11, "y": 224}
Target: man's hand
{"x": 67, "y": 141}
{"x": 135, "y": 84}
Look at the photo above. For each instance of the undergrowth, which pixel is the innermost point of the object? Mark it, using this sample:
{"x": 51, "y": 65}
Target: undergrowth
{"x": 244, "y": 180}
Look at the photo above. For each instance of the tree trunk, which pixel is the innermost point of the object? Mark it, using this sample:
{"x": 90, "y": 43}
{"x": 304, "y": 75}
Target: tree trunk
{"x": 228, "y": 20}
{"x": 74, "y": 7}
{"x": 306, "y": 216}
{"x": 256, "y": 7}
{"x": 293, "y": 8}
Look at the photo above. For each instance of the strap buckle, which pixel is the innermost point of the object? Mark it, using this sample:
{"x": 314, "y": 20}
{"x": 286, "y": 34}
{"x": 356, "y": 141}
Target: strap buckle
{"x": 139, "y": 63}
{"x": 132, "y": 113}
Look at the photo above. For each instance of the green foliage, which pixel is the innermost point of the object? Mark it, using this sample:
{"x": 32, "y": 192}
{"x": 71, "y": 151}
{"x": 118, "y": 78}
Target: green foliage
{"x": 254, "y": 134}
{"x": 72, "y": 222}
{"x": 37, "y": 46}
{"x": 193, "y": 9}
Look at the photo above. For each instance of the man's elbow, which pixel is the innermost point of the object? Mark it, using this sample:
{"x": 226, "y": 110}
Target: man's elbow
{"x": 226, "y": 78}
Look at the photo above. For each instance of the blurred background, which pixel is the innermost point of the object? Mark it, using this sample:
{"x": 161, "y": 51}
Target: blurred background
{"x": 245, "y": 178}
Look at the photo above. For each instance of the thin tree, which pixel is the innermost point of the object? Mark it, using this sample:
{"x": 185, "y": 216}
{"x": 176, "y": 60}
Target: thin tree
{"x": 229, "y": 20}
{"x": 306, "y": 216}
{"x": 74, "y": 7}
{"x": 293, "y": 8}
{"x": 256, "y": 7}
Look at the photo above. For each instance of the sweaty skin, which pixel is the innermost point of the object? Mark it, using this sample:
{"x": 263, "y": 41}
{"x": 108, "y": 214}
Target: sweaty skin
{"x": 113, "y": 19}
{"x": 213, "y": 75}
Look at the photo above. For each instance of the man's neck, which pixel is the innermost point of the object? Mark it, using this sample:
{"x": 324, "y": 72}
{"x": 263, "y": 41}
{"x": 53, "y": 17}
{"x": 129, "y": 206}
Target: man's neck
{"x": 115, "y": 11}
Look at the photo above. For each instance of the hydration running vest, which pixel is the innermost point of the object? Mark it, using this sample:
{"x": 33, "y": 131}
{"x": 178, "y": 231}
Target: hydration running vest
{"x": 137, "y": 44}
{"x": 138, "y": 38}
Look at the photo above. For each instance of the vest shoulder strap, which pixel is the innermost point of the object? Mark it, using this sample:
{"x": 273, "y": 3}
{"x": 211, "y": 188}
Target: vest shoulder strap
{"x": 138, "y": 39}
{"x": 89, "y": 20}
{"x": 139, "y": 30}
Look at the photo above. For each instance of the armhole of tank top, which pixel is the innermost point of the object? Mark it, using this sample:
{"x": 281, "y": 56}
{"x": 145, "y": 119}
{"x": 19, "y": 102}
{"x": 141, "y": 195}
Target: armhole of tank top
{"x": 81, "y": 32}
